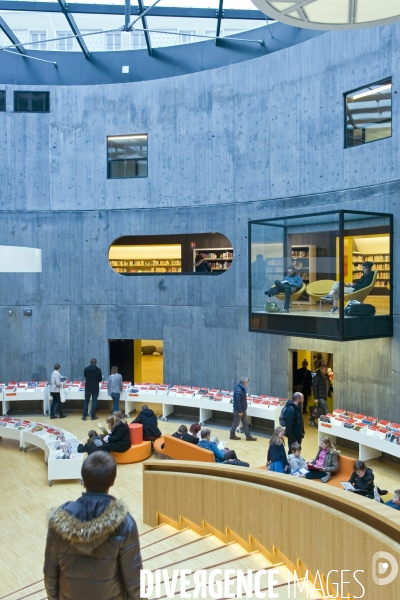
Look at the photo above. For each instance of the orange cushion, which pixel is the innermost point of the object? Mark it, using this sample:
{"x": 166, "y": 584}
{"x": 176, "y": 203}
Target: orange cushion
{"x": 135, "y": 454}
{"x": 180, "y": 450}
{"x": 136, "y": 433}
{"x": 345, "y": 470}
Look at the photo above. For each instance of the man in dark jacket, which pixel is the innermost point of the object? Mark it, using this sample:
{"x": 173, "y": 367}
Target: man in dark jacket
{"x": 322, "y": 389}
{"x": 294, "y": 420}
{"x": 93, "y": 377}
{"x": 185, "y": 436}
{"x": 239, "y": 411}
{"x": 365, "y": 280}
{"x": 303, "y": 382}
{"x": 149, "y": 421}
{"x": 92, "y": 548}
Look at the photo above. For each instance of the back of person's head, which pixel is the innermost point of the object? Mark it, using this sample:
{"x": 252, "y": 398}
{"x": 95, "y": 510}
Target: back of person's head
{"x": 93, "y": 361}
{"x": 144, "y": 407}
{"x": 275, "y": 439}
{"x": 205, "y": 433}
{"x": 114, "y": 370}
{"x": 396, "y": 493}
{"x": 91, "y": 435}
{"x": 359, "y": 465}
{"x": 119, "y": 417}
{"x": 111, "y": 422}
{"x": 182, "y": 429}
{"x": 56, "y": 367}
{"x": 195, "y": 428}
{"x": 295, "y": 447}
{"x": 99, "y": 471}
{"x": 297, "y": 396}
{"x": 305, "y": 363}
{"x": 327, "y": 441}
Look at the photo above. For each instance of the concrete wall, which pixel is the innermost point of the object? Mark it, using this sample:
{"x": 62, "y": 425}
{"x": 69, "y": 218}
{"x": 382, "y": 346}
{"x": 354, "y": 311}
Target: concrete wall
{"x": 253, "y": 140}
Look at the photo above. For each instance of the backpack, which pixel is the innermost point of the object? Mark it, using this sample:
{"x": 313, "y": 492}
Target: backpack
{"x": 271, "y": 307}
{"x": 356, "y": 309}
{"x": 283, "y": 416}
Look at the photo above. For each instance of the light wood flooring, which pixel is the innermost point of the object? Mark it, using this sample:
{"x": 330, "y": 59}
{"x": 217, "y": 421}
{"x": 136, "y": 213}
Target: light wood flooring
{"x": 26, "y": 496}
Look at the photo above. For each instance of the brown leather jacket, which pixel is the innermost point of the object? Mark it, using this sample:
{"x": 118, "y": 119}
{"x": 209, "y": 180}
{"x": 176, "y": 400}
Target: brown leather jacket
{"x": 92, "y": 551}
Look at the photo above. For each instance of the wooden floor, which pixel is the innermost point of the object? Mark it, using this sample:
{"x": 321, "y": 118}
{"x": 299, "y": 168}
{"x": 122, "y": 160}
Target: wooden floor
{"x": 26, "y": 496}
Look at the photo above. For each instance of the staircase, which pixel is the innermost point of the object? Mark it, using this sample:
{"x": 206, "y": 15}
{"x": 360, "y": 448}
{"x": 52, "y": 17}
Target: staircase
{"x": 169, "y": 549}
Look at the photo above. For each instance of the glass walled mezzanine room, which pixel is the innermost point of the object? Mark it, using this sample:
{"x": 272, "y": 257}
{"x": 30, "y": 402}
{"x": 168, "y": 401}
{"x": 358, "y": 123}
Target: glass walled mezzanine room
{"x": 327, "y": 252}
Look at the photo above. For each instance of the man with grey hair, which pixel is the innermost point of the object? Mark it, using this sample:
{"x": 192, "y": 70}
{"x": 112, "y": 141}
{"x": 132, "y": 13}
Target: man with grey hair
{"x": 239, "y": 411}
{"x": 294, "y": 419}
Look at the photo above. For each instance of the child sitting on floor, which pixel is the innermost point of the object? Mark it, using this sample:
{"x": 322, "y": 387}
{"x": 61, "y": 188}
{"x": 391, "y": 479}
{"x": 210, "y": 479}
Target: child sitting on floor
{"x": 296, "y": 461}
{"x": 93, "y": 444}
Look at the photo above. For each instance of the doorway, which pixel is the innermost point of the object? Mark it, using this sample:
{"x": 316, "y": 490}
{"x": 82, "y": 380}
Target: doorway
{"x": 138, "y": 361}
{"x": 314, "y": 360}
{"x": 121, "y": 356}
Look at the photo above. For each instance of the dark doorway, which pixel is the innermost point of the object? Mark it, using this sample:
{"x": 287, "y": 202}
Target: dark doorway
{"x": 121, "y": 356}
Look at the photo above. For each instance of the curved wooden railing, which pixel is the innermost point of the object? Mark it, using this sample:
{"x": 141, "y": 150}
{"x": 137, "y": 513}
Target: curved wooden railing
{"x": 308, "y": 525}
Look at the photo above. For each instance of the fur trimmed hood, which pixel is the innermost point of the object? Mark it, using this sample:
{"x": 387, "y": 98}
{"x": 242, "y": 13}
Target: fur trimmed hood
{"x": 86, "y": 535}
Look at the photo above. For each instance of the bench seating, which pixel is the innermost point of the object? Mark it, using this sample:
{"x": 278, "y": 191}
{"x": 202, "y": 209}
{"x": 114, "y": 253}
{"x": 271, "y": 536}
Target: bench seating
{"x": 180, "y": 450}
{"x": 136, "y": 453}
{"x": 345, "y": 471}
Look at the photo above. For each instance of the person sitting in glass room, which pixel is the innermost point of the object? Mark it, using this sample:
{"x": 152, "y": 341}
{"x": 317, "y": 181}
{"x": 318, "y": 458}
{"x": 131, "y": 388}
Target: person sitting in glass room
{"x": 364, "y": 281}
{"x": 290, "y": 284}
{"x": 201, "y": 264}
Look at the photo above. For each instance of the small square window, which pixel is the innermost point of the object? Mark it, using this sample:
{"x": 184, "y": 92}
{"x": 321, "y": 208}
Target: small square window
{"x": 127, "y": 156}
{"x": 368, "y": 113}
{"x": 2, "y": 100}
{"x": 31, "y": 101}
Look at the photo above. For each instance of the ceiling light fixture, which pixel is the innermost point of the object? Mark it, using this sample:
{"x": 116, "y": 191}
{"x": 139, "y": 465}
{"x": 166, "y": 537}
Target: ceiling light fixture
{"x": 371, "y": 92}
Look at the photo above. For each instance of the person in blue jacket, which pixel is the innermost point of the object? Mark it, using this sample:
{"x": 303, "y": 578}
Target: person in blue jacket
{"x": 277, "y": 458}
{"x": 288, "y": 285}
{"x": 220, "y": 455}
{"x": 239, "y": 411}
{"x": 395, "y": 501}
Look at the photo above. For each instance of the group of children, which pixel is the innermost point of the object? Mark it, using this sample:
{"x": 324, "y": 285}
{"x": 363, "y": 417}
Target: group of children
{"x": 323, "y": 466}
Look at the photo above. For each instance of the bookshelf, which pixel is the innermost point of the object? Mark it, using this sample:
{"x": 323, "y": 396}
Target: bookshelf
{"x": 153, "y": 265}
{"x": 381, "y": 265}
{"x": 220, "y": 259}
{"x": 304, "y": 260}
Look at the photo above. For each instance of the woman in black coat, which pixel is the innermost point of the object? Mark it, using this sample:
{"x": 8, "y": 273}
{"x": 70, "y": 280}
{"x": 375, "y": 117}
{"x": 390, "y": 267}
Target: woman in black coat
{"x": 119, "y": 440}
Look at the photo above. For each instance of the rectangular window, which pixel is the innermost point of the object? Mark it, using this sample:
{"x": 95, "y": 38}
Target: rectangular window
{"x": 138, "y": 40}
{"x": 368, "y": 113}
{"x": 65, "y": 43}
{"x": 31, "y": 101}
{"x": 127, "y": 156}
{"x": 185, "y": 36}
{"x": 39, "y": 39}
{"x": 2, "y": 100}
{"x": 113, "y": 41}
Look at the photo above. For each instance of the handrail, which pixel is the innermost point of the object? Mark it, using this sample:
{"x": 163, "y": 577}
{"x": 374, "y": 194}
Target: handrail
{"x": 307, "y": 524}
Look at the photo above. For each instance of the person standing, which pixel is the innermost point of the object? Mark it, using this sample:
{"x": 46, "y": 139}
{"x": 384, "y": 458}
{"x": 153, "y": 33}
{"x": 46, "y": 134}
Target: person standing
{"x": 239, "y": 411}
{"x": 294, "y": 420}
{"x": 303, "y": 382}
{"x": 115, "y": 387}
{"x": 93, "y": 377}
{"x": 92, "y": 547}
{"x": 322, "y": 389}
{"x": 55, "y": 388}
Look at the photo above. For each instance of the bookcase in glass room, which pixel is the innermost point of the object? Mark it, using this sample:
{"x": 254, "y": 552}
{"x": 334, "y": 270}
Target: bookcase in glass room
{"x": 381, "y": 265}
{"x": 304, "y": 260}
{"x": 219, "y": 259}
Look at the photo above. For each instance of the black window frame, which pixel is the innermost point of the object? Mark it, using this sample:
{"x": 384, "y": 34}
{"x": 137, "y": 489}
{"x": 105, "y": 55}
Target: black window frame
{"x": 110, "y": 161}
{"x": 363, "y": 87}
{"x": 3, "y": 98}
{"x": 33, "y": 95}
{"x": 286, "y": 324}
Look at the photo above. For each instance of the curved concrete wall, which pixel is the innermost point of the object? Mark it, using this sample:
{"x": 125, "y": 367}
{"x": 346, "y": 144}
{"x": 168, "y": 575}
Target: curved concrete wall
{"x": 252, "y": 140}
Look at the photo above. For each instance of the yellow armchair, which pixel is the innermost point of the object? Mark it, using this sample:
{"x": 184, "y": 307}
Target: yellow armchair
{"x": 317, "y": 289}
{"x": 360, "y": 295}
{"x": 294, "y": 297}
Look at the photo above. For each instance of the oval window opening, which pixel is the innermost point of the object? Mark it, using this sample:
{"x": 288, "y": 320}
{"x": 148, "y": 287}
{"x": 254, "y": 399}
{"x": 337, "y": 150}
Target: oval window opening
{"x": 185, "y": 254}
